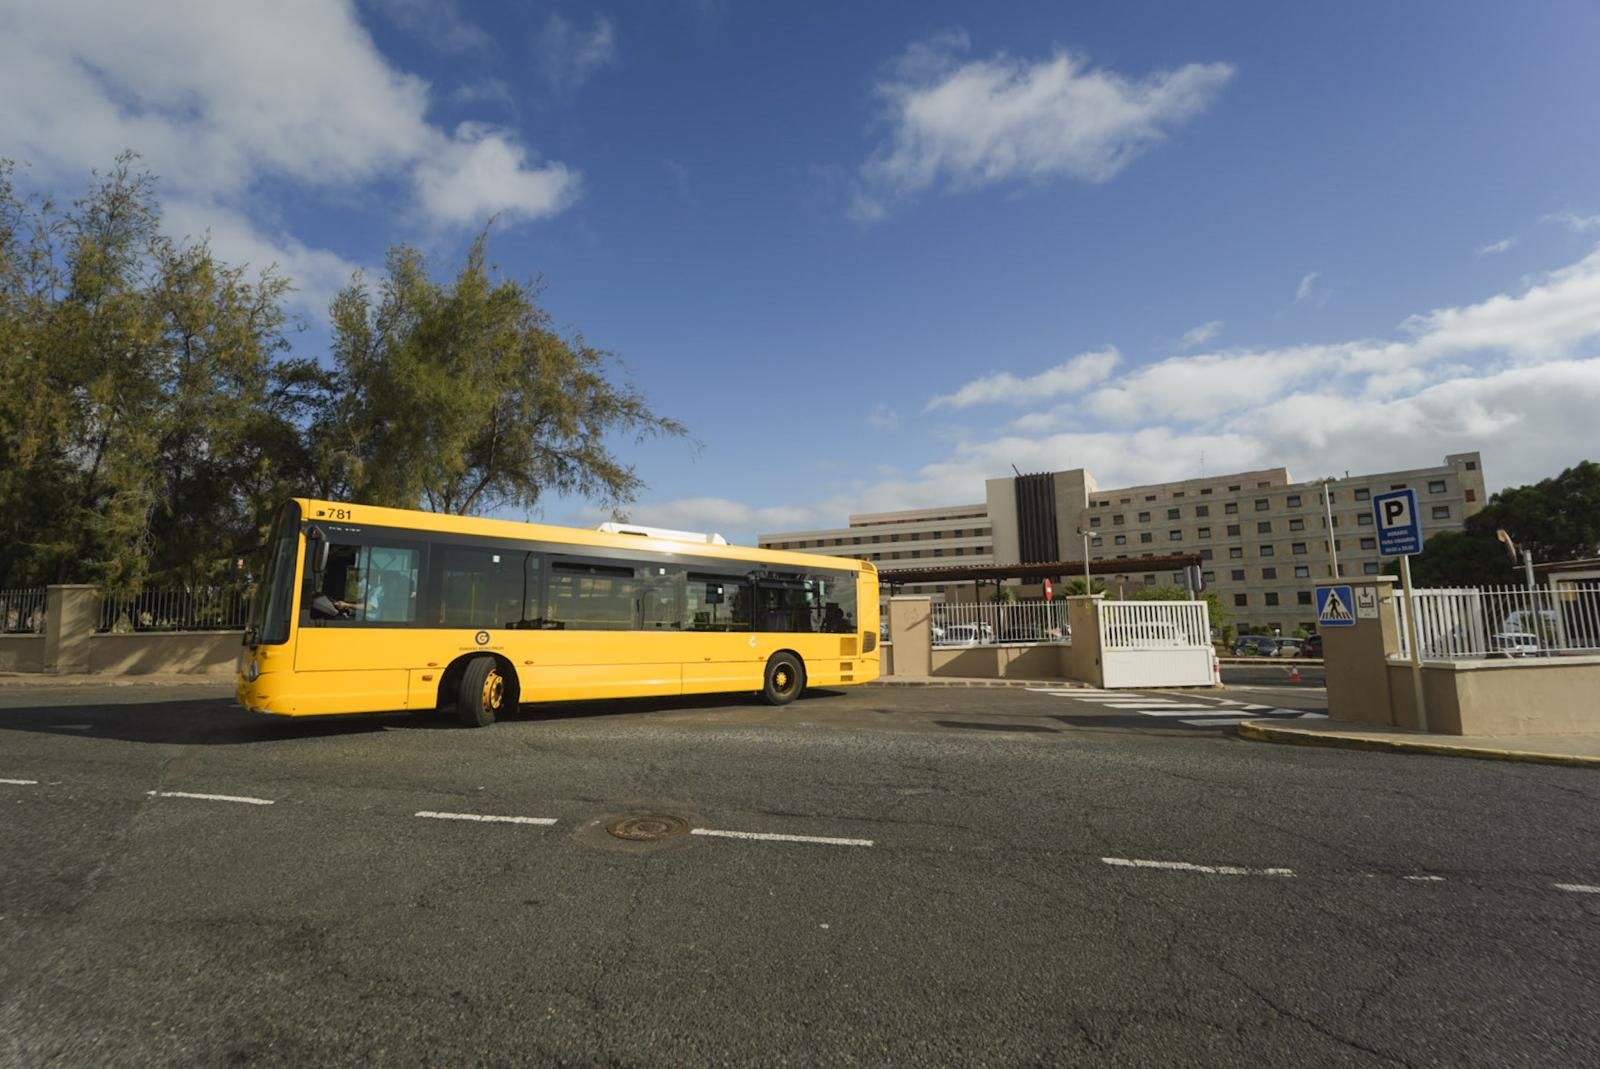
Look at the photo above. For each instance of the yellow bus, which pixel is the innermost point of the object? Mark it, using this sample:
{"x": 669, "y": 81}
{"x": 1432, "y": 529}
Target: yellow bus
{"x": 366, "y": 609}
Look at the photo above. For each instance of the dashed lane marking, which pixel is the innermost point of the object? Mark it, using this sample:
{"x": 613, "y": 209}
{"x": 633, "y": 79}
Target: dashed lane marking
{"x": 1425, "y": 879}
{"x": 240, "y": 798}
{"x": 21, "y": 782}
{"x": 1579, "y": 888}
{"x": 774, "y": 837}
{"x": 485, "y": 818}
{"x": 1189, "y": 866}
{"x": 1215, "y": 721}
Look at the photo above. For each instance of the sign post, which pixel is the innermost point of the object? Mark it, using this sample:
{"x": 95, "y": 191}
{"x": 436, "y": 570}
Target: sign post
{"x": 1399, "y": 535}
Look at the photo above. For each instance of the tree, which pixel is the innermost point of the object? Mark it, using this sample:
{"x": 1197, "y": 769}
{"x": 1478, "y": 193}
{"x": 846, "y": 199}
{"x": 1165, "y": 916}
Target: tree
{"x": 1074, "y": 587}
{"x": 1221, "y": 617}
{"x": 1556, "y": 519}
{"x": 462, "y": 397}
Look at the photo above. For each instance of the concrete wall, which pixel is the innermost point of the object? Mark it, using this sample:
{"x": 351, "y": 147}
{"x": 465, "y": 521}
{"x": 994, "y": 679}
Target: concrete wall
{"x": 21, "y": 653}
{"x": 1041, "y": 662}
{"x": 1082, "y": 660}
{"x": 70, "y": 614}
{"x": 911, "y": 631}
{"x": 206, "y": 652}
{"x": 1507, "y": 696}
{"x": 1357, "y": 658}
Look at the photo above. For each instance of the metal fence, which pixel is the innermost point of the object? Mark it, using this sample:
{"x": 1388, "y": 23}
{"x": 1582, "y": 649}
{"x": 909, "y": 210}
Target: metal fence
{"x": 22, "y": 611}
{"x": 1142, "y": 625}
{"x": 1476, "y": 622}
{"x": 956, "y": 624}
{"x": 205, "y": 609}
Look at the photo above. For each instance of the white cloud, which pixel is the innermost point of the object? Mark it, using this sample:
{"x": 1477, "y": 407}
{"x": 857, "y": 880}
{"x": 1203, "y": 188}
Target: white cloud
{"x": 1516, "y": 375}
{"x": 1305, "y": 289}
{"x": 1578, "y": 224}
{"x": 317, "y": 274}
{"x": 1071, "y": 376}
{"x": 568, "y": 56}
{"x": 959, "y": 126}
{"x": 1496, "y": 247}
{"x": 482, "y": 172}
{"x": 883, "y": 418}
{"x": 1200, "y": 335}
{"x": 218, "y": 97}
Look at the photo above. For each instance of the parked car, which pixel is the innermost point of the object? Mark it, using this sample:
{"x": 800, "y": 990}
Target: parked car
{"x": 1515, "y": 644}
{"x": 1255, "y": 645}
{"x": 965, "y": 635}
{"x": 1311, "y": 647}
{"x": 1287, "y": 647}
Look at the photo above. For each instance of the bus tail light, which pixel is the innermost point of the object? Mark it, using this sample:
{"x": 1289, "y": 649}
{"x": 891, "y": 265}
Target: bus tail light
{"x": 869, "y": 641}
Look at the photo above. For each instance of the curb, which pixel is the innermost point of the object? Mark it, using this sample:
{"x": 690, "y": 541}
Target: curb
{"x": 1266, "y": 731}
{"x": 1054, "y": 684}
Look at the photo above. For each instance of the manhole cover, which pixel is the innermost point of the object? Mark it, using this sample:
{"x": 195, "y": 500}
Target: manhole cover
{"x": 648, "y": 828}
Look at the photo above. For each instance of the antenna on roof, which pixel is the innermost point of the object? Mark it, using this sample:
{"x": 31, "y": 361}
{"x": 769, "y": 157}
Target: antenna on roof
{"x": 1014, "y": 468}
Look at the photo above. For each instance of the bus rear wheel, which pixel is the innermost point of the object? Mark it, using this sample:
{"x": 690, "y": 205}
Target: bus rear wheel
{"x": 484, "y": 693}
{"x": 786, "y": 678}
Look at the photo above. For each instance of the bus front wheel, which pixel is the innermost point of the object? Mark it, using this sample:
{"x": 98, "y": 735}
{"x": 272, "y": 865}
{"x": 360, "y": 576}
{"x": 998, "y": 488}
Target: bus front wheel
{"x": 483, "y": 694}
{"x": 786, "y": 678}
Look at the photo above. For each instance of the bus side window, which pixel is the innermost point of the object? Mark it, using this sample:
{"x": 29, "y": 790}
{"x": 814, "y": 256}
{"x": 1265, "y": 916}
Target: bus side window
{"x": 340, "y": 580}
{"x": 391, "y": 594}
{"x": 719, "y": 603}
{"x": 661, "y": 602}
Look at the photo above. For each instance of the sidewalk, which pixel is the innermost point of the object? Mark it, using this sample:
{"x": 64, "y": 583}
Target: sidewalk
{"x": 90, "y": 679}
{"x": 1583, "y": 750}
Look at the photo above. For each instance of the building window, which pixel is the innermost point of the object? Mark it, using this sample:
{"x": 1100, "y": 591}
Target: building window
{"x": 1205, "y": 554}
{"x": 1272, "y": 598}
{"x": 1205, "y": 491}
{"x": 1149, "y": 580}
{"x": 1233, "y": 530}
{"x": 1266, "y": 551}
{"x": 1149, "y": 497}
{"x": 1177, "y": 578}
{"x": 1264, "y": 527}
{"x": 1209, "y": 577}
{"x": 1175, "y": 536}
{"x": 1472, "y": 465}
{"x": 1144, "y": 517}
{"x": 1241, "y": 600}
{"x": 1472, "y": 495}
{"x": 1370, "y": 568}
{"x": 1234, "y": 489}
{"x": 1269, "y": 573}
{"x": 1302, "y": 571}
{"x": 1117, "y": 520}
{"x": 1397, "y": 486}
{"x": 1369, "y": 543}
{"x": 1436, "y": 486}
{"x": 1365, "y": 519}
{"x": 1235, "y": 552}
{"x": 1262, "y": 504}
{"x": 1096, "y": 542}
{"x": 1231, "y": 508}
{"x": 1298, "y": 547}
{"x": 1125, "y": 501}
{"x": 1237, "y": 575}
{"x": 1094, "y": 521}
{"x": 1121, "y": 540}
{"x": 1363, "y": 494}
{"x": 1204, "y": 532}
{"x": 1297, "y": 524}
{"x": 1146, "y": 538}
{"x": 1172, "y": 514}
{"x": 1441, "y": 512}
{"x": 1294, "y": 501}
{"x": 1302, "y": 597}
{"x": 1202, "y": 511}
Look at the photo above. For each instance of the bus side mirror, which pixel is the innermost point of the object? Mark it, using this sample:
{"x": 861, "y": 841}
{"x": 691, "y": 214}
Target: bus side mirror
{"x": 319, "y": 549}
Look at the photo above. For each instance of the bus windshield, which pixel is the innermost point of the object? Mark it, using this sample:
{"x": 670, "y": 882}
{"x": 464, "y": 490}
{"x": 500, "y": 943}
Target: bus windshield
{"x": 274, "y": 601}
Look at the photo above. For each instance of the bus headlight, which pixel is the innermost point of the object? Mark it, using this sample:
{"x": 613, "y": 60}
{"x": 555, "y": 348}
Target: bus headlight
{"x": 252, "y": 671}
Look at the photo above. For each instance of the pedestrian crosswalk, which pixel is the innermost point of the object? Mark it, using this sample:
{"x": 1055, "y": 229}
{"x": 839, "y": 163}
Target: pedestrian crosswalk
{"x": 1192, "y": 711}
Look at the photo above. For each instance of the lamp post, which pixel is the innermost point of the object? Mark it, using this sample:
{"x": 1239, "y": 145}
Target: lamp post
{"x": 1333, "y": 546}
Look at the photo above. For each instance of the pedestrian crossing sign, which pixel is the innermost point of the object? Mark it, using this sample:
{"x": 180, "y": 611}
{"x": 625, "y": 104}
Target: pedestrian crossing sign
{"x": 1335, "y": 606}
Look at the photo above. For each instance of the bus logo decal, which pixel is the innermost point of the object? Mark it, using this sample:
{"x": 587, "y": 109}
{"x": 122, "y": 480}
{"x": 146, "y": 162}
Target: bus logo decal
{"x": 481, "y": 638}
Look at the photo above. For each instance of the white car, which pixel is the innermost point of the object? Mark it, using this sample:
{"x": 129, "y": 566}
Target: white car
{"x": 1516, "y": 644}
{"x": 964, "y": 635}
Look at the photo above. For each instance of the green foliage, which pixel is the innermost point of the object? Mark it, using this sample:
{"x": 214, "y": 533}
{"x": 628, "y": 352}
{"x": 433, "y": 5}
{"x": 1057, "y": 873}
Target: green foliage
{"x": 462, "y": 397}
{"x": 1221, "y": 617}
{"x": 152, "y": 419}
{"x": 1005, "y": 595}
{"x": 1074, "y": 588}
{"x": 1556, "y": 518}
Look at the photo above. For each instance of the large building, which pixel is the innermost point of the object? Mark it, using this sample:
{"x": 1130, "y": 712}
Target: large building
{"x": 1262, "y": 537}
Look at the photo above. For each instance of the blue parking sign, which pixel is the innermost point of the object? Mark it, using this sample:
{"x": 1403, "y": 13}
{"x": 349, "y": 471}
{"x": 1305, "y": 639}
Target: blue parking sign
{"x": 1399, "y": 521}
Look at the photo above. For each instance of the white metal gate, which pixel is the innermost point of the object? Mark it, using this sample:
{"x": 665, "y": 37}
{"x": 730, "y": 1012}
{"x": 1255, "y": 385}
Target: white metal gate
{"x": 1156, "y": 644}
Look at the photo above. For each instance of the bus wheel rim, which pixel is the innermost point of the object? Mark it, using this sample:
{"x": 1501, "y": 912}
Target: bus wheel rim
{"x": 493, "y": 689}
{"x": 781, "y": 678}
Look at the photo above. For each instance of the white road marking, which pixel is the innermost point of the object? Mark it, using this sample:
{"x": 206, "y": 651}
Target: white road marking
{"x": 777, "y": 838}
{"x": 1215, "y": 721}
{"x": 1181, "y": 710}
{"x": 1425, "y": 879}
{"x": 1188, "y": 866}
{"x": 1579, "y": 888}
{"x": 243, "y": 799}
{"x": 21, "y": 782}
{"x": 1313, "y": 716}
{"x": 485, "y": 818}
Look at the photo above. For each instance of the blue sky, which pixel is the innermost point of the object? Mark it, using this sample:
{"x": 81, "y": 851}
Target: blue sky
{"x": 872, "y": 254}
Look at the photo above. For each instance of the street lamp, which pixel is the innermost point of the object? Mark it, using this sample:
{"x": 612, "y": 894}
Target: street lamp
{"x": 1333, "y": 545}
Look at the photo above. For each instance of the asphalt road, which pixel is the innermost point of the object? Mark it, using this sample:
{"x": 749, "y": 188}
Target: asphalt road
{"x": 1051, "y": 879}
